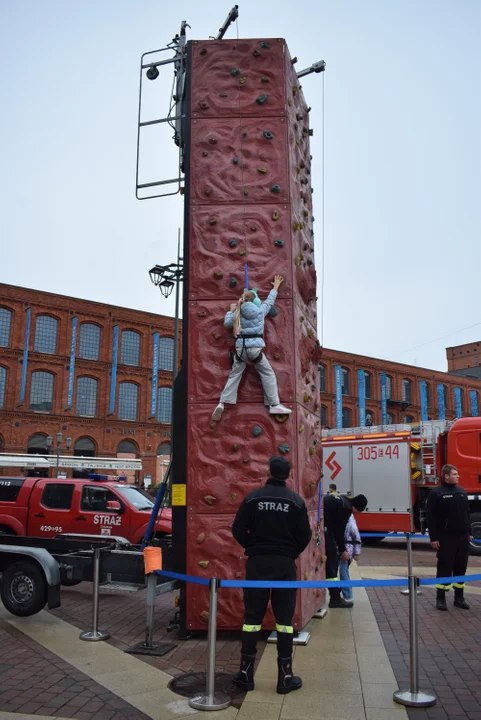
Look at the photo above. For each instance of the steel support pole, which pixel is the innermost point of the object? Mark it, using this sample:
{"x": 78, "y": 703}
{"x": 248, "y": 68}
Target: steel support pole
{"x": 95, "y": 634}
{"x": 407, "y": 590}
{"x": 211, "y": 700}
{"x": 414, "y": 697}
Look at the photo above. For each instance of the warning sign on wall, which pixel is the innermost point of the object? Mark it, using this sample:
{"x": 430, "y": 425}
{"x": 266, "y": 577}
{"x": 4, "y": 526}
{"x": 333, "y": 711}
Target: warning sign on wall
{"x": 179, "y": 495}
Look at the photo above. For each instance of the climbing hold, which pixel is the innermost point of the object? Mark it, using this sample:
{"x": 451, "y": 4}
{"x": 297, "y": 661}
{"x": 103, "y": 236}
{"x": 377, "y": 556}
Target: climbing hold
{"x": 235, "y": 447}
{"x": 246, "y": 460}
{"x": 204, "y": 616}
{"x": 302, "y": 164}
{"x": 262, "y": 170}
{"x": 301, "y": 256}
{"x": 306, "y": 213}
{"x": 253, "y": 228}
{"x": 281, "y": 418}
{"x": 317, "y": 568}
{"x": 256, "y": 53}
{"x": 310, "y": 333}
{"x": 218, "y": 275}
{"x": 275, "y": 215}
{"x": 301, "y": 430}
{"x": 212, "y": 221}
{"x": 279, "y": 243}
{"x": 201, "y": 538}
{"x": 312, "y": 451}
{"x": 209, "y": 499}
{"x": 202, "y": 313}
{"x": 276, "y": 188}
{"x": 235, "y": 161}
{"x": 233, "y": 496}
{"x": 307, "y": 397}
{"x": 298, "y": 116}
{"x": 313, "y": 388}
{"x": 244, "y": 133}
{"x": 284, "y": 448}
{"x": 289, "y": 102}
{"x": 297, "y": 261}
{"x": 261, "y": 99}
{"x": 246, "y": 191}
{"x": 242, "y": 252}
{"x": 293, "y": 60}
{"x": 207, "y": 190}
{"x": 204, "y": 105}
{"x": 256, "y": 430}
{"x": 277, "y": 356}
{"x": 298, "y": 169}
{"x": 223, "y": 94}
{"x": 264, "y": 79}
{"x": 234, "y": 72}
{"x": 308, "y": 131}
{"x": 216, "y": 336}
{"x": 242, "y": 80}
{"x": 294, "y": 89}
{"x": 264, "y": 45}
{"x": 294, "y": 226}
{"x": 203, "y": 51}
{"x": 203, "y": 563}
{"x": 232, "y": 242}
{"x": 232, "y": 282}
{"x": 213, "y": 141}
{"x": 204, "y": 153}
{"x": 306, "y": 575}
{"x": 301, "y": 319}
{"x": 268, "y": 135}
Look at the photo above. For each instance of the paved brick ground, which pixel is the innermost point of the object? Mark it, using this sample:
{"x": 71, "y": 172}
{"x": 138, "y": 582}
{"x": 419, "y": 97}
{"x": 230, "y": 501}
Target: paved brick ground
{"x": 449, "y": 643}
{"x": 34, "y": 681}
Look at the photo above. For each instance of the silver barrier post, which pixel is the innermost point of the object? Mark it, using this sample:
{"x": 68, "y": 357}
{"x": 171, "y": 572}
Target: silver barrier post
{"x": 407, "y": 590}
{"x": 414, "y": 697}
{"x": 95, "y": 633}
{"x": 212, "y": 700}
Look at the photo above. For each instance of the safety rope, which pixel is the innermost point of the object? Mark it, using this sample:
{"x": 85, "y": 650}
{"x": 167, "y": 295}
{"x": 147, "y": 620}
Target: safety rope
{"x": 323, "y": 215}
{"x": 241, "y": 160}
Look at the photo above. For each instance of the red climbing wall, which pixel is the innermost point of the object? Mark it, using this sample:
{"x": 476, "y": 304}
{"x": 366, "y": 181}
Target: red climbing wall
{"x": 249, "y": 201}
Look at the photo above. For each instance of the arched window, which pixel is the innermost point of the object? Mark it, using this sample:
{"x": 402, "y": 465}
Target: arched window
{"x": 128, "y": 447}
{"x": 45, "y": 334}
{"x": 345, "y": 383}
{"x": 164, "y": 405}
{"x": 323, "y": 416}
{"x": 445, "y": 396}
{"x": 407, "y": 391}
{"x": 388, "y": 387}
{"x": 460, "y": 392}
{"x": 368, "y": 385}
{"x": 5, "y": 323}
{"x": 369, "y": 418}
{"x": 346, "y": 418}
{"x": 163, "y": 449}
{"x": 37, "y": 445}
{"x": 86, "y": 402}
{"x": 322, "y": 378}
{"x": 130, "y": 352}
{"x": 390, "y": 419}
{"x": 84, "y": 447}
{"x": 89, "y": 343}
{"x": 3, "y": 385}
{"x": 408, "y": 419}
{"x": 41, "y": 391}
{"x": 166, "y": 353}
{"x": 128, "y": 401}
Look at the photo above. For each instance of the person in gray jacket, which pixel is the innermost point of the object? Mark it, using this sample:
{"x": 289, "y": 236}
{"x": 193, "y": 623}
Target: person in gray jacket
{"x": 246, "y": 318}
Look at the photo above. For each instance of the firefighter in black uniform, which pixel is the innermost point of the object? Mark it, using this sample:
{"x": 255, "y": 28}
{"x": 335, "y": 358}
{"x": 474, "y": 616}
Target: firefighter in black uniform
{"x": 273, "y": 527}
{"x": 337, "y": 511}
{"x": 449, "y": 531}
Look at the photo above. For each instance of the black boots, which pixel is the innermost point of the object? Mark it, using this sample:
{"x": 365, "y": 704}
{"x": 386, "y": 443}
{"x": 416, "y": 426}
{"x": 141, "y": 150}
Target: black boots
{"x": 286, "y": 681}
{"x": 441, "y": 600}
{"x": 245, "y": 677}
{"x": 459, "y": 600}
{"x": 337, "y": 601}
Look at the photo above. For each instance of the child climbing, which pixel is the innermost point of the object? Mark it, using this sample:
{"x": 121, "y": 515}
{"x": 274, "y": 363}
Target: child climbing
{"x": 353, "y": 548}
{"x": 246, "y": 317}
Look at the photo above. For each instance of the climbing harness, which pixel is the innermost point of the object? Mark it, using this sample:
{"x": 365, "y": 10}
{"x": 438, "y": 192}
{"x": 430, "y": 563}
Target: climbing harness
{"x": 244, "y": 338}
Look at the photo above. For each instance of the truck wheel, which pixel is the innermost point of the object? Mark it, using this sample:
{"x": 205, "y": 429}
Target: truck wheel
{"x": 475, "y": 548}
{"x": 4, "y": 530}
{"x": 23, "y": 589}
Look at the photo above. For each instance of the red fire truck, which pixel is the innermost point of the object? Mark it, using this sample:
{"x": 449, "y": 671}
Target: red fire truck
{"x": 395, "y": 467}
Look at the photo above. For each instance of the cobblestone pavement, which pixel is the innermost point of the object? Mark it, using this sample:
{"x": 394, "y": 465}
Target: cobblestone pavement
{"x": 35, "y": 681}
{"x": 449, "y": 643}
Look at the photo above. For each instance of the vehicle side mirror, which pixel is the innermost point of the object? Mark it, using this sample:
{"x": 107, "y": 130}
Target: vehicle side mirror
{"x": 114, "y": 506}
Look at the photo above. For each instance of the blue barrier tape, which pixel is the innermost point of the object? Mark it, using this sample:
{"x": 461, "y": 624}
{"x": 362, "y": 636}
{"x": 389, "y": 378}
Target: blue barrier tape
{"x": 415, "y": 536}
{"x": 401, "y": 582}
{"x": 449, "y": 580}
{"x": 180, "y": 576}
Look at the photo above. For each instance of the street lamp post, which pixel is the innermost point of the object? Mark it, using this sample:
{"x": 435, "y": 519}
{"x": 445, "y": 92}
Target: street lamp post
{"x": 59, "y": 437}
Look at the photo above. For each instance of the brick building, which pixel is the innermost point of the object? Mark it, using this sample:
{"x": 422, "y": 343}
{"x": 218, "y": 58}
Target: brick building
{"x": 465, "y": 360}
{"x": 459, "y": 395}
{"x": 87, "y": 370}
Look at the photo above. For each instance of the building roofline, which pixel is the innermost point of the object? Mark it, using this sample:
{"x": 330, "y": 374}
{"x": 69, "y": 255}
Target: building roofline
{"x": 95, "y": 302}
{"x": 392, "y": 362}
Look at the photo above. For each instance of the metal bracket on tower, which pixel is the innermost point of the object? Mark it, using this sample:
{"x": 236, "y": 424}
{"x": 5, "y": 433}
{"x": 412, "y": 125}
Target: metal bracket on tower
{"x": 316, "y": 67}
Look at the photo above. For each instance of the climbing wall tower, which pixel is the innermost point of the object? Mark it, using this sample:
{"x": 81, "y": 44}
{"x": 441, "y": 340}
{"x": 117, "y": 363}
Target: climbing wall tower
{"x": 248, "y": 200}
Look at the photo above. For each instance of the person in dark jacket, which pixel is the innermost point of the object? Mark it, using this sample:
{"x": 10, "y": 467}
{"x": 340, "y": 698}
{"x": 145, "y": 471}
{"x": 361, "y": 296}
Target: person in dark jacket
{"x": 449, "y": 532}
{"x": 273, "y": 527}
{"x": 337, "y": 511}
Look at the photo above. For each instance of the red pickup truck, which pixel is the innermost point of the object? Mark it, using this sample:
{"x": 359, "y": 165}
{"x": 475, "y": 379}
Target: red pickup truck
{"x": 40, "y": 507}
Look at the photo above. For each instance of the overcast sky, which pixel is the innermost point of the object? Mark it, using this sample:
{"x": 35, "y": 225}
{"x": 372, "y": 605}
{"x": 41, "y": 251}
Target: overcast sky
{"x": 402, "y": 166}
